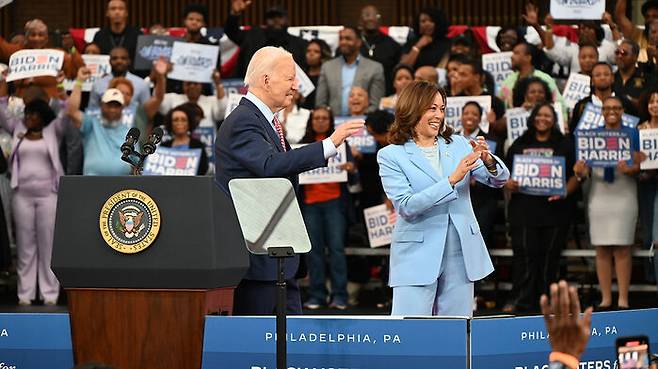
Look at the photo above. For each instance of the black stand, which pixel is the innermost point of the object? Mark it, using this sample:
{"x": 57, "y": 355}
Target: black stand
{"x": 281, "y": 303}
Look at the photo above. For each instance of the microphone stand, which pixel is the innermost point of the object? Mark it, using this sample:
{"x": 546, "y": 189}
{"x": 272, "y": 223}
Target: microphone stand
{"x": 136, "y": 159}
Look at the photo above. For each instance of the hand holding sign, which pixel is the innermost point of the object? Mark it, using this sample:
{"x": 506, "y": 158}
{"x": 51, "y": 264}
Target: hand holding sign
{"x": 83, "y": 74}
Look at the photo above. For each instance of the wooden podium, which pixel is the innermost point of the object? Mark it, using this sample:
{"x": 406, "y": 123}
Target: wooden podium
{"x": 146, "y": 309}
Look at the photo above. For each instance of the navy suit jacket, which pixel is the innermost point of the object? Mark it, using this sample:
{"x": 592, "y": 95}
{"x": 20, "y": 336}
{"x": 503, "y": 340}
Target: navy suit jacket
{"x": 248, "y": 147}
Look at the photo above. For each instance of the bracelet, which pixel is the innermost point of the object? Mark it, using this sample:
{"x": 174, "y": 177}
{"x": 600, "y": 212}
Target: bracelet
{"x": 60, "y": 85}
{"x": 415, "y": 48}
{"x": 566, "y": 359}
{"x": 78, "y": 83}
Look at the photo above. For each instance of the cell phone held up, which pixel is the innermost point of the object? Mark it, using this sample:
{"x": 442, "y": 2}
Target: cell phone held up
{"x": 633, "y": 352}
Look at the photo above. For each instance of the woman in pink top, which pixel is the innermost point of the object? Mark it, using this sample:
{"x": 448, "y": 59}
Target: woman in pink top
{"x": 36, "y": 168}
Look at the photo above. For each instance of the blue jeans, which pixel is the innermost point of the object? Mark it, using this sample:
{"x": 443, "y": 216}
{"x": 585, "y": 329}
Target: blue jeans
{"x": 327, "y": 225}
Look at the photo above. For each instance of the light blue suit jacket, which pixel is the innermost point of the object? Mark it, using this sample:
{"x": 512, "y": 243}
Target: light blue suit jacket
{"x": 424, "y": 202}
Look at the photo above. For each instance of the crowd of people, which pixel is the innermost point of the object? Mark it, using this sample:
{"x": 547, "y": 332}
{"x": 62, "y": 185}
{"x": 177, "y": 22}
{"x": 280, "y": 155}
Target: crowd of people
{"x": 54, "y": 132}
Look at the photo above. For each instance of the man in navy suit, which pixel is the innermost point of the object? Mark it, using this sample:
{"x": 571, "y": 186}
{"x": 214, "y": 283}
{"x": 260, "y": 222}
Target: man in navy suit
{"x": 251, "y": 144}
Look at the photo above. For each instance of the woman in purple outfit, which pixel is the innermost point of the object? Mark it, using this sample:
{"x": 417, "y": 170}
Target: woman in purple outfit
{"x": 36, "y": 168}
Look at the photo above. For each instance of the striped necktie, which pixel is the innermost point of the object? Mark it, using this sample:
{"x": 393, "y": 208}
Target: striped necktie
{"x": 279, "y": 131}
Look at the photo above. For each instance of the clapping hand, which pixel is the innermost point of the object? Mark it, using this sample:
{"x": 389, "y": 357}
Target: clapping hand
{"x": 481, "y": 145}
{"x": 467, "y": 164}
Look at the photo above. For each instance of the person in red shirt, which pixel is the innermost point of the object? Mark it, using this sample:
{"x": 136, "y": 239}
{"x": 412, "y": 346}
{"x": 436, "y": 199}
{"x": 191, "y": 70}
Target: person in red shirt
{"x": 324, "y": 208}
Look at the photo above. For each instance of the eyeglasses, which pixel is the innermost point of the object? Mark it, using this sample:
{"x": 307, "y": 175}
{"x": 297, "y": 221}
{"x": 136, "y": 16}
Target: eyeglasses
{"x": 621, "y": 52}
{"x": 613, "y": 108}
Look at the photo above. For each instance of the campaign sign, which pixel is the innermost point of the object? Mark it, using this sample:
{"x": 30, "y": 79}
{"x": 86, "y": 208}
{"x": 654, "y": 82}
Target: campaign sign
{"x": 329, "y": 174}
{"x": 603, "y": 148}
{"x": 98, "y": 65}
{"x": 576, "y": 89}
{"x": 305, "y": 85}
{"x": 34, "y": 63}
{"x": 234, "y": 86}
{"x": 232, "y": 102}
{"x": 540, "y": 176}
{"x": 517, "y": 123}
{"x": 380, "y": 223}
{"x": 193, "y": 62}
{"x": 348, "y": 343}
{"x": 455, "y": 105}
{"x": 151, "y": 48}
{"x": 35, "y": 341}
{"x": 649, "y": 146}
{"x": 362, "y": 140}
{"x": 522, "y": 342}
{"x": 167, "y": 161}
{"x": 592, "y": 118}
{"x": 577, "y": 9}
{"x": 207, "y": 136}
{"x": 499, "y": 65}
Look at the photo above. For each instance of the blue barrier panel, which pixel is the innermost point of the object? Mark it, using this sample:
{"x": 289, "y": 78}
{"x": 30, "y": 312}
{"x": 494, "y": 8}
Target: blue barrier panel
{"x": 364, "y": 343}
{"x": 522, "y": 343}
{"x": 35, "y": 341}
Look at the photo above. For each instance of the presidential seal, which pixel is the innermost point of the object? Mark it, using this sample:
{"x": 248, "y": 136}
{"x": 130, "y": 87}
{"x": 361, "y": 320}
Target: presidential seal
{"x": 129, "y": 221}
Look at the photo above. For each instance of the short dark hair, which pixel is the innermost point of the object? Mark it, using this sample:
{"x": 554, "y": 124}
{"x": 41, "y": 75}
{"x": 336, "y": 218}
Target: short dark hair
{"x": 41, "y": 108}
{"x": 196, "y": 8}
{"x": 596, "y": 26}
{"x": 648, "y": 5}
{"x": 379, "y": 121}
{"x": 530, "y": 49}
{"x": 473, "y": 103}
{"x": 475, "y": 64}
{"x": 635, "y": 48}
{"x": 401, "y": 66}
{"x": 353, "y": 28}
{"x": 603, "y": 63}
{"x": 504, "y": 29}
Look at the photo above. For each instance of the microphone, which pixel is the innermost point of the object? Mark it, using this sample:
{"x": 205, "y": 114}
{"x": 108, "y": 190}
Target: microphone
{"x": 154, "y": 138}
{"x": 131, "y": 138}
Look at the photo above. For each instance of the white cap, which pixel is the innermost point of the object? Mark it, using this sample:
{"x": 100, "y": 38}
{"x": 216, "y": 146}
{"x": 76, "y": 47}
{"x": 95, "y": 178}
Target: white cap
{"x": 112, "y": 94}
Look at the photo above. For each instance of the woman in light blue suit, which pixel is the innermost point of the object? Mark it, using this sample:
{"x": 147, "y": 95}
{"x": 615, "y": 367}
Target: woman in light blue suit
{"x": 437, "y": 250}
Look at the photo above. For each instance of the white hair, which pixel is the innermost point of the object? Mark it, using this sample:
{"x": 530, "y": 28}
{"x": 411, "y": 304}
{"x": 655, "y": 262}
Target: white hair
{"x": 32, "y": 24}
{"x": 262, "y": 62}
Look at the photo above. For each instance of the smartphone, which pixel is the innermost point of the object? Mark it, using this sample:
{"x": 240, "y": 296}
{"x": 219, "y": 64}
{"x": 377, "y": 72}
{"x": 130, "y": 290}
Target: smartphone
{"x": 633, "y": 352}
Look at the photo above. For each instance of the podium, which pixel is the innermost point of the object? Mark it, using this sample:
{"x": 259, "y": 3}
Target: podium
{"x": 146, "y": 308}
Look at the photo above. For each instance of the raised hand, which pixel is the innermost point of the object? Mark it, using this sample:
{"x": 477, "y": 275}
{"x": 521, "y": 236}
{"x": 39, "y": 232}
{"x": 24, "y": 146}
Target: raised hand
{"x": 345, "y": 130}
{"x": 568, "y": 331}
{"x": 216, "y": 77}
{"x": 83, "y": 74}
{"x": 238, "y": 6}
{"x": 531, "y": 16}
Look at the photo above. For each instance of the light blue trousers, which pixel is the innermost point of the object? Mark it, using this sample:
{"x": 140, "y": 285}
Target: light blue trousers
{"x": 450, "y": 295}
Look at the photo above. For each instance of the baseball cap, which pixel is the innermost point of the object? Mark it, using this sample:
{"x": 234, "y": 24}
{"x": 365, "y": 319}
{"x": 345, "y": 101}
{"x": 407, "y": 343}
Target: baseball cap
{"x": 112, "y": 94}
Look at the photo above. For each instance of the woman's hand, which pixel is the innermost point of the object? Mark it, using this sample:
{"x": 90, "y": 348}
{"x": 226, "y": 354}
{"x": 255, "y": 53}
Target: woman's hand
{"x": 481, "y": 145}
{"x": 423, "y": 41}
{"x": 580, "y": 169}
{"x": 467, "y": 164}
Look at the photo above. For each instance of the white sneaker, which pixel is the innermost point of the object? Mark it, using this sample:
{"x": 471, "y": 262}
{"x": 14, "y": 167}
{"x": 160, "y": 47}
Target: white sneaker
{"x": 23, "y": 302}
